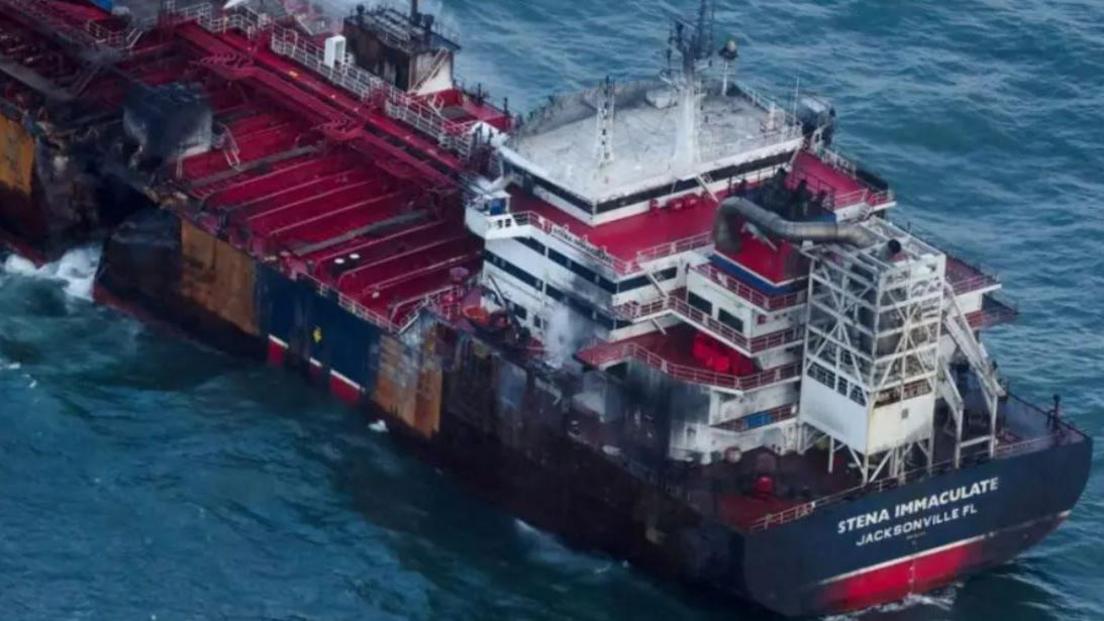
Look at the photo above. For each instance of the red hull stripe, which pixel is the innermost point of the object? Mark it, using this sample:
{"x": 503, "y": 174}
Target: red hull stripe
{"x": 344, "y": 388}
{"x": 963, "y": 542}
{"x": 277, "y": 349}
{"x": 316, "y": 371}
{"x": 914, "y": 573}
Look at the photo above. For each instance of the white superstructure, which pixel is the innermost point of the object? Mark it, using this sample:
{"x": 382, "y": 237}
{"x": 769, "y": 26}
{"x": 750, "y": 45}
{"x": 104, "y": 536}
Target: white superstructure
{"x": 816, "y": 322}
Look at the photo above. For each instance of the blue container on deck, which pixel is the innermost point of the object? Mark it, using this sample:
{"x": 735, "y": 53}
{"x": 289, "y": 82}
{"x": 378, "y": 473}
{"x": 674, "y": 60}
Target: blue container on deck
{"x": 758, "y": 420}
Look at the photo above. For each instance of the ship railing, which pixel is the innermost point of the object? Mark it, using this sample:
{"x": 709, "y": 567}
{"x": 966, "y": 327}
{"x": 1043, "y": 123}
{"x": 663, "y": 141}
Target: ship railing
{"x": 606, "y": 353}
{"x": 762, "y": 419}
{"x": 356, "y": 308}
{"x": 767, "y": 103}
{"x": 450, "y": 135}
{"x": 395, "y": 325}
{"x": 713, "y": 151}
{"x": 839, "y": 162}
{"x": 562, "y": 233}
{"x": 1060, "y": 432}
{"x": 972, "y": 283}
{"x": 870, "y": 196}
{"x": 445, "y": 302}
{"x": 89, "y": 32}
{"x": 675, "y": 304}
{"x": 836, "y": 201}
{"x": 983, "y": 275}
{"x": 746, "y": 292}
{"x": 979, "y": 279}
{"x": 994, "y": 311}
{"x": 286, "y": 42}
{"x": 360, "y": 83}
{"x": 597, "y": 254}
{"x": 395, "y": 30}
{"x": 678, "y": 246}
{"x": 106, "y": 36}
{"x": 46, "y": 13}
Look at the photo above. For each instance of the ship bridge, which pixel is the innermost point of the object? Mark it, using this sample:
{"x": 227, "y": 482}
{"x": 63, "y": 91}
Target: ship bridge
{"x": 606, "y": 153}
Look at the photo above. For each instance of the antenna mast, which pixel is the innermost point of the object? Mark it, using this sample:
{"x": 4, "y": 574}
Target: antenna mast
{"x": 694, "y": 42}
{"x": 605, "y": 104}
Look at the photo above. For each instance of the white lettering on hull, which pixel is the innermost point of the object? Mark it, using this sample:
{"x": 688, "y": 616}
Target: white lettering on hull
{"x": 929, "y": 511}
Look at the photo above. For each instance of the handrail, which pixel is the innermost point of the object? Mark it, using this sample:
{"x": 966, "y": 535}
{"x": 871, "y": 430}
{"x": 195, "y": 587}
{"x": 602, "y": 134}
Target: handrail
{"x": 1058, "y": 435}
{"x": 673, "y": 303}
{"x": 756, "y": 297}
{"x": 346, "y": 75}
{"x": 42, "y": 12}
{"x": 776, "y": 415}
{"x": 614, "y": 264}
{"x": 871, "y": 197}
{"x": 989, "y": 317}
{"x": 395, "y": 325}
{"x": 979, "y": 280}
{"x": 606, "y": 353}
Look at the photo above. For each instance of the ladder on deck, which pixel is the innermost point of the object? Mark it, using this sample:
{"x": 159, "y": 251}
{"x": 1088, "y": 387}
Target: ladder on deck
{"x": 958, "y": 327}
{"x": 949, "y": 392}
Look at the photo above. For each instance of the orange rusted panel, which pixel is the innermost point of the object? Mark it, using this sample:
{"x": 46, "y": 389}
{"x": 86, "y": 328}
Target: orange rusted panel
{"x": 17, "y": 151}
{"x": 217, "y": 277}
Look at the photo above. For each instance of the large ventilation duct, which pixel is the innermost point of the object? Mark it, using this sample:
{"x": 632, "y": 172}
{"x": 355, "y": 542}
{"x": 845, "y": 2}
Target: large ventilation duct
{"x": 776, "y": 225}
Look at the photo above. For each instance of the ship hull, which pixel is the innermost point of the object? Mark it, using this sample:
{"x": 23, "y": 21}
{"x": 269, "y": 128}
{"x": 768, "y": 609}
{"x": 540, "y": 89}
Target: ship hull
{"x": 51, "y": 198}
{"x": 496, "y": 425}
{"x": 826, "y": 562}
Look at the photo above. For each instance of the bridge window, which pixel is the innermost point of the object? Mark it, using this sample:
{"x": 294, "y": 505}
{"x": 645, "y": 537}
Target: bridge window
{"x": 700, "y": 303}
{"x": 730, "y": 320}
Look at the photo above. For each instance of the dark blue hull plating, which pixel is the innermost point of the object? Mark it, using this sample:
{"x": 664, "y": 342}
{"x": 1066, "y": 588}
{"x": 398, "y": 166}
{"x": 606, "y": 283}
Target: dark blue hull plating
{"x": 502, "y": 429}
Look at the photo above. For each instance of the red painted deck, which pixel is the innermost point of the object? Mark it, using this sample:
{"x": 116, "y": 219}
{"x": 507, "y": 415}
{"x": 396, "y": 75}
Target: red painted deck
{"x": 687, "y": 354}
{"x": 639, "y": 236}
{"x": 461, "y": 106}
{"x": 965, "y": 277}
{"x": 841, "y": 188}
{"x": 306, "y": 172}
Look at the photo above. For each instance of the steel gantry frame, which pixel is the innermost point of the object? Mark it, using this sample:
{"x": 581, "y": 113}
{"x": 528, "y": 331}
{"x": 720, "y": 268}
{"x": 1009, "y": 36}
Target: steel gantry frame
{"x": 873, "y": 327}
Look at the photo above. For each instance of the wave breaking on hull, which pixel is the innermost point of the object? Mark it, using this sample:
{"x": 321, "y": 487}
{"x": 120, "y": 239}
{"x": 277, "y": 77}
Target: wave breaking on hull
{"x": 76, "y": 269}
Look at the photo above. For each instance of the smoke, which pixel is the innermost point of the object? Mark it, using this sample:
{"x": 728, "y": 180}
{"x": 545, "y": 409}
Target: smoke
{"x": 564, "y": 334}
{"x": 76, "y": 269}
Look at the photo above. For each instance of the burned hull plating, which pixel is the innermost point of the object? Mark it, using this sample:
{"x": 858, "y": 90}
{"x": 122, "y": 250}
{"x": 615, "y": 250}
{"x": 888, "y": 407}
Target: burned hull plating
{"x": 408, "y": 245}
{"x": 503, "y": 429}
{"x": 51, "y": 196}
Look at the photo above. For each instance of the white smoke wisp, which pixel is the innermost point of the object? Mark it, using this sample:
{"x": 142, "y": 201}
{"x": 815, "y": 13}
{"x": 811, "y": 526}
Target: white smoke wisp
{"x": 76, "y": 268}
{"x": 564, "y": 334}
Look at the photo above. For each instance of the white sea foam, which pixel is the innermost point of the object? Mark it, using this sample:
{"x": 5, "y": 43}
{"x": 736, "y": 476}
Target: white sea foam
{"x": 76, "y": 268}
{"x": 543, "y": 547}
{"x": 942, "y": 599}
{"x": 379, "y": 426}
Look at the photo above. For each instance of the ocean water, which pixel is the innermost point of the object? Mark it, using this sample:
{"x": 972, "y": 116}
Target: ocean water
{"x": 143, "y": 476}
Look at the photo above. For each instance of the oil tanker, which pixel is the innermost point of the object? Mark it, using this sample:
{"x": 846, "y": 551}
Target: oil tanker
{"x": 664, "y": 319}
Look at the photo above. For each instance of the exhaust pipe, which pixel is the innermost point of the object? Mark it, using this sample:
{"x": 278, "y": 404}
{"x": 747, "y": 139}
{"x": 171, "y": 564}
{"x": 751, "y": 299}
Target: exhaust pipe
{"x": 726, "y": 240}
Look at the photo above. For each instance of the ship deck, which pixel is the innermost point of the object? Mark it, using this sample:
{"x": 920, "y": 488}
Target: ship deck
{"x": 842, "y": 188}
{"x": 562, "y": 139}
{"x": 799, "y": 483}
{"x": 303, "y": 173}
{"x": 655, "y": 233}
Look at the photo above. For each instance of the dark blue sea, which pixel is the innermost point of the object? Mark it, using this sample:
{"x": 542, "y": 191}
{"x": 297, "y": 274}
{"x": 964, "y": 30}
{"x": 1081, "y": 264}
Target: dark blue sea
{"x": 143, "y": 476}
